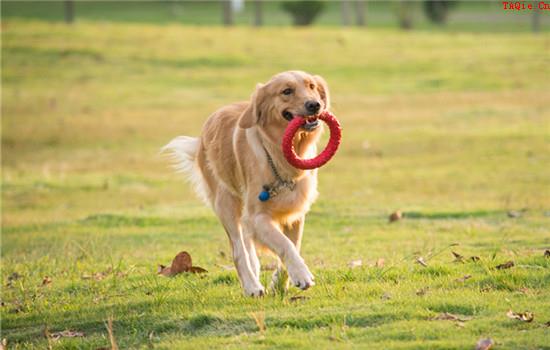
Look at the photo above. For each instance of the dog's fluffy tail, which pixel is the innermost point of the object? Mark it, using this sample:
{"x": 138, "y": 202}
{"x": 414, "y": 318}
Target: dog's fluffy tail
{"x": 183, "y": 152}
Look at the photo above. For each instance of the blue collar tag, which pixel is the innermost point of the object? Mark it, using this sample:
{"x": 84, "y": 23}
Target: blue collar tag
{"x": 264, "y": 196}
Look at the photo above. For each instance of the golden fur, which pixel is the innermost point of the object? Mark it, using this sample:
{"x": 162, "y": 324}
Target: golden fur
{"x": 229, "y": 167}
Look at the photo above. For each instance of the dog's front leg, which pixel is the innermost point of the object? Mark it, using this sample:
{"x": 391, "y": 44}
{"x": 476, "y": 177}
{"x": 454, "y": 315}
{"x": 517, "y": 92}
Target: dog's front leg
{"x": 269, "y": 234}
{"x": 294, "y": 231}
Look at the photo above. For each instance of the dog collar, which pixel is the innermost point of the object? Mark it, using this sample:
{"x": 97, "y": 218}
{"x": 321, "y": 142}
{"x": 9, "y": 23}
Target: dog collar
{"x": 272, "y": 189}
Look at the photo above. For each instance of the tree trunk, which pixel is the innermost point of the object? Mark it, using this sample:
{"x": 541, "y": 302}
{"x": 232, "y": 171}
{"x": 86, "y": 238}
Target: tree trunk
{"x": 536, "y": 17}
{"x": 345, "y": 12}
{"x": 69, "y": 11}
{"x": 360, "y": 6}
{"x": 227, "y": 13}
{"x": 404, "y": 14}
{"x": 258, "y": 18}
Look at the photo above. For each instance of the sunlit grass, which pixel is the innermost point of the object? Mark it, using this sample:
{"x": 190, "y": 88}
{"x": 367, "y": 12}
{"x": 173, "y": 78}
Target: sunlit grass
{"x": 450, "y": 128}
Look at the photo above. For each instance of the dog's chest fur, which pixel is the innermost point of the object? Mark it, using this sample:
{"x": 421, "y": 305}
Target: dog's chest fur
{"x": 289, "y": 205}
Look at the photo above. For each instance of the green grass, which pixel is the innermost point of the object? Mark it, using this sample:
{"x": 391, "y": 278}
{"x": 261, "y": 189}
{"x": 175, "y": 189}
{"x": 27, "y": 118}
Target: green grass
{"x": 450, "y": 128}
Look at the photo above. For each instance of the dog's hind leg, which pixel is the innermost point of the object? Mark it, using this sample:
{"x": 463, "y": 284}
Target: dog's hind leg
{"x": 228, "y": 209}
{"x": 248, "y": 238}
{"x": 294, "y": 231}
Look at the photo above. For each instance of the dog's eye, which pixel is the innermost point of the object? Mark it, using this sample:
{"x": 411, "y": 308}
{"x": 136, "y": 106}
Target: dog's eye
{"x": 311, "y": 86}
{"x": 288, "y": 91}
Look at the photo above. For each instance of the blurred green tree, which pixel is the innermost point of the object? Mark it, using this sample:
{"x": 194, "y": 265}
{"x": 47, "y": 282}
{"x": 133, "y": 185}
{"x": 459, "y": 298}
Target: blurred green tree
{"x": 227, "y": 13}
{"x": 360, "y": 12}
{"x": 69, "y": 11}
{"x": 437, "y": 11}
{"x": 303, "y": 12}
{"x": 258, "y": 13}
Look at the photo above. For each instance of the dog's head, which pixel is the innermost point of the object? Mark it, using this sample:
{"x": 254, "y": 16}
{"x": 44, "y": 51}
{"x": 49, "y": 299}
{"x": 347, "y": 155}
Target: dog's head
{"x": 284, "y": 97}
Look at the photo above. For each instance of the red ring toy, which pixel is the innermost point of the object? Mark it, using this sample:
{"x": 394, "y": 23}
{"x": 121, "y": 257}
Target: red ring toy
{"x": 325, "y": 155}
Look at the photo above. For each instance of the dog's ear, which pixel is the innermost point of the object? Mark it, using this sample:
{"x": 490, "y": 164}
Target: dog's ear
{"x": 322, "y": 88}
{"x": 252, "y": 113}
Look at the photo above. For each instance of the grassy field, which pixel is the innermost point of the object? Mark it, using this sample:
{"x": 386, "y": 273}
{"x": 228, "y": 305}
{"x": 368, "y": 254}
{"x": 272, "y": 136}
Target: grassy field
{"x": 452, "y": 129}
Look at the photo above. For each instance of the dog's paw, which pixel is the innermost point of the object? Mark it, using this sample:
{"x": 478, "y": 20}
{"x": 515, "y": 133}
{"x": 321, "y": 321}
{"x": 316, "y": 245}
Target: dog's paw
{"x": 254, "y": 291}
{"x": 301, "y": 276}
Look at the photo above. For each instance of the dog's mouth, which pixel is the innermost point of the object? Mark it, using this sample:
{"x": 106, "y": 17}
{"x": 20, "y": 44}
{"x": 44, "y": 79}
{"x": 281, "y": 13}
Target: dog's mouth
{"x": 287, "y": 115}
{"x": 311, "y": 124}
{"x": 311, "y": 121}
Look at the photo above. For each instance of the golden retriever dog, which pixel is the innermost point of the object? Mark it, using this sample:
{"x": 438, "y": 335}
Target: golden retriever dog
{"x": 238, "y": 155}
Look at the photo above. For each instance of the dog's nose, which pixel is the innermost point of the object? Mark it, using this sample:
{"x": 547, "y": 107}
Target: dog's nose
{"x": 312, "y": 106}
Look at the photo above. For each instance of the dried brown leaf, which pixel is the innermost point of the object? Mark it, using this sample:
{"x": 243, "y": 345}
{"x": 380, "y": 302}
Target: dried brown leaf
{"x": 505, "y": 266}
{"x": 446, "y": 316}
{"x": 14, "y": 276}
{"x": 547, "y": 253}
{"x": 421, "y": 261}
{"x": 379, "y": 263}
{"x": 165, "y": 271}
{"x": 395, "y": 216}
{"x": 463, "y": 278}
{"x": 181, "y": 263}
{"x": 484, "y": 344}
{"x": 458, "y": 257}
{"x": 46, "y": 280}
{"x": 196, "y": 269}
{"x": 17, "y": 308}
{"x": 66, "y": 334}
{"x": 355, "y": 263}
{"x": 526, "y": 316}
{"x": 422, "y": 291}
{"x": 296, "y": 298}
{"x": 475, "y": 258}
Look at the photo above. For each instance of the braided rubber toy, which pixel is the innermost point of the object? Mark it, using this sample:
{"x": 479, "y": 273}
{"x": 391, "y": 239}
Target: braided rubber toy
{"x": 325, "y": 155}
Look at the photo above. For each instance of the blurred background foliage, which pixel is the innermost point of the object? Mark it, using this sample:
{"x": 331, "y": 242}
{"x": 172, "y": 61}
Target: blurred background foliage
{"x": 425, "y": 15}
